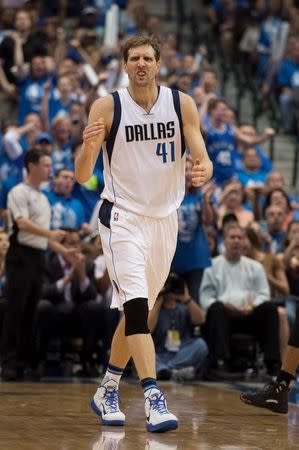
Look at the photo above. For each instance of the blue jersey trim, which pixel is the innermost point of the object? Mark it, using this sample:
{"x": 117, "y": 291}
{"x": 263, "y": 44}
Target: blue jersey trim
{"x": 115, "y": 124}
{"x": 177, "y": 107}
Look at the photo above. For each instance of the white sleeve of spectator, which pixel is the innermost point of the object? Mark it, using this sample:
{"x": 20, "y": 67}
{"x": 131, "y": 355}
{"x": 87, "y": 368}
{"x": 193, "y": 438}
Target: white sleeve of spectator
{"x": 208, "y": 294}
{"x": 17, "y": 203}
{"x": 60, "y": 285}
{"x": 261, "y": 285}
{"x": 11, "y": 144}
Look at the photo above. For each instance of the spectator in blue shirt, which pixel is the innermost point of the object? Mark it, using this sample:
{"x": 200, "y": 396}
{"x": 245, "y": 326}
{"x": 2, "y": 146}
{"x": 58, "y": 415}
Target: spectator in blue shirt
{"x": 249, "y": 130}
{"x": 252, "y": 175}
{"x": 31, "y": 87}
{"x": 275, "y": 218}
{"x": 89, "y": 192}
{"x": 57, "y": 101}
{"x": 62, "y": 143}
{"x": 288, "y": 81}
{"x": 66, "y": 211}
{"x": 179, "y": 354}
{"x": 192, "y": 254}
{"x": 220, "y": 139}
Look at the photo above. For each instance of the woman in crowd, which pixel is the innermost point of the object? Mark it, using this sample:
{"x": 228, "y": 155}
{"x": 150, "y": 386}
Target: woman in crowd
{"x": 277, "y": 280}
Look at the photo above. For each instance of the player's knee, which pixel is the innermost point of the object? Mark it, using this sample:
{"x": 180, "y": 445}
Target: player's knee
{"x": 136, "y": 315}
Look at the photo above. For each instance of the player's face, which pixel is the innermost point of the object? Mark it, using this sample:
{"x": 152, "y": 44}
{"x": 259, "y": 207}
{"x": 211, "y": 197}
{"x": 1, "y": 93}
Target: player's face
{"x": 141, "y": 66}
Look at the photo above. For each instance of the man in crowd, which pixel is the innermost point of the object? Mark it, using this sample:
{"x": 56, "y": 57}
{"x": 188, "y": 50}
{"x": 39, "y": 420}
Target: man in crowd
{"x": 235, "y": 294}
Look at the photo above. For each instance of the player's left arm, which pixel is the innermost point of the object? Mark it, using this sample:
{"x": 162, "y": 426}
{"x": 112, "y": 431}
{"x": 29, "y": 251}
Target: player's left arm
{"x": 203, "y": 169}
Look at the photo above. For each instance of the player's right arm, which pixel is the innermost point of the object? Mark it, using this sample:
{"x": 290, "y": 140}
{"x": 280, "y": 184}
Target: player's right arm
{"x": 94, "y": 134}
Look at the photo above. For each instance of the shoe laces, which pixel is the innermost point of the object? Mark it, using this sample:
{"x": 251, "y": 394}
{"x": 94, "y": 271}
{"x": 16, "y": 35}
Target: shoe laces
{"x": 158, "y": 403}
{"x": 274, "y": 386}
{"x": 112, "y": 398}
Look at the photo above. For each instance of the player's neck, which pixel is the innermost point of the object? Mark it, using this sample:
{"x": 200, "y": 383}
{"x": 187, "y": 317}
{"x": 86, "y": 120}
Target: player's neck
{"x": 145, "y": 97}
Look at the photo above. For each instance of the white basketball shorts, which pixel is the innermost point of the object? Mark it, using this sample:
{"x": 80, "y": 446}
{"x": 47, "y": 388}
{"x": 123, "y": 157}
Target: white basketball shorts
{"x": 138, "y": 252}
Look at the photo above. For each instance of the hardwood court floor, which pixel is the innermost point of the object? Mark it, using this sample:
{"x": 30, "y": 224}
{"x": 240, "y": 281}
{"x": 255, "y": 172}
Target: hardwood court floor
{"x": 57, "y": 416}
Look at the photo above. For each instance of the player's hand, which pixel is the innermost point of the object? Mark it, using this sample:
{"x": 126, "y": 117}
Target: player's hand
{"x": 93, "y": 132}
{"x": 200, "y": 174}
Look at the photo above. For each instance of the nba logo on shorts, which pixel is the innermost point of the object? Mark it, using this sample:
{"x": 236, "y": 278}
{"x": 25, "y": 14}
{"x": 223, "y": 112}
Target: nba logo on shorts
{"x": 115, "y": 216}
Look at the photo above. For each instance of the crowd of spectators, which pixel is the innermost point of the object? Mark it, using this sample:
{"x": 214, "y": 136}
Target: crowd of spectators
{"x": 263, "y": 37}
{"x": 236, "y": 266}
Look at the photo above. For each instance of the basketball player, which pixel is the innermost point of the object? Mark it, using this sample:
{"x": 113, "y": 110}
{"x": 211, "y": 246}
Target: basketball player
{"x": 274, "y": 396}
{"x": 142, "y": 130}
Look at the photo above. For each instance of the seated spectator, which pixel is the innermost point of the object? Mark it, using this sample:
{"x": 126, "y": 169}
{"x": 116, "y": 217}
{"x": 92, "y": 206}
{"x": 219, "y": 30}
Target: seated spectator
{"x": 271, "y": 45}
{"x": 208, "y": 85}
{"x": 291, "y": 264}
{"x": 66, "y": 211}
{"x": 291, "y": 236}
{"x": 288, "y": 82}
{"x": 57, "y": 101}
{"x": 249, "y": 130}
{"x": 25, "y": 36}
{"x": 252, "y": 175}
{"x": 291, "y": 261}
{"x": 78, "y": 120}
{"x": 211, "y": 234}
{"x": 31, "y": 87}
{"x": 235, "y": 294}
{"x": 32, "y": 120}
{"x": 275, "y": 180}
{"x": 4, "y": 244}
{"x": 275, "y": 219}
{"x": 68, "y": 308}
{"x": 220, "y": 138}
{"x": 192, "y": 252}
{"x": 62, "y": 144}
{"x": 226, "y": 219}
{"x": 44, "y": 141}
{"x": 231, "y": 202}
{"x": 278, "y": 197}
{"x": 276, "y": 276}
{"x": 178, "y": 354}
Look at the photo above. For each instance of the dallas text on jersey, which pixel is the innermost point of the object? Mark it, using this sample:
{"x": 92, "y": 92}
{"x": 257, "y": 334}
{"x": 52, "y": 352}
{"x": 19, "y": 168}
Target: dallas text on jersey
{"x": 150, "y": 131}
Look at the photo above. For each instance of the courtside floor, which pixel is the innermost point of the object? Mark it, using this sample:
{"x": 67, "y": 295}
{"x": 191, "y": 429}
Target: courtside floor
{"x": 55, "y": 415}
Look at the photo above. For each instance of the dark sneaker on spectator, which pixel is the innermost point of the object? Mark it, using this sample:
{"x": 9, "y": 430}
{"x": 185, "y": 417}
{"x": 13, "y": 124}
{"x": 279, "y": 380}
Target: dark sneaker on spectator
{"x": 10, "y": 374}
{"x": 164, "y": 374}
{"x": 33, "y": 373}
{"x": 273, "y": 396}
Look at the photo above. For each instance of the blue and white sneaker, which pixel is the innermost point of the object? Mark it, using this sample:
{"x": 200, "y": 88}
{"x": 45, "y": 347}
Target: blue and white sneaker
{"x": 105, "y": 404}
{"x": 158, "y": 418}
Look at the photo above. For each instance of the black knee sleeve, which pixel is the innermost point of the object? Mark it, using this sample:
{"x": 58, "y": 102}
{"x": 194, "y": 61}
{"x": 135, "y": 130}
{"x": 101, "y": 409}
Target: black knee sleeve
{"x": 136, "y": 315}
{"x": 294, "y": 338}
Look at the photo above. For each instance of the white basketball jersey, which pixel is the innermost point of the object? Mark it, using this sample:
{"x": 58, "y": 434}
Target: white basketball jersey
{"x": 144, "y": 155}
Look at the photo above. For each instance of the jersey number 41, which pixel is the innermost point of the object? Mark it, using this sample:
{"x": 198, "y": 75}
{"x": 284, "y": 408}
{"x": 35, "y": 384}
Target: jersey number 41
{"x": 161, "y": 151}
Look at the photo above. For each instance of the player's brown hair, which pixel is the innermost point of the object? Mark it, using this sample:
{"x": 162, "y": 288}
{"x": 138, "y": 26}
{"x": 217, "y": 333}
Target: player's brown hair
{"x": 138, "y": 41}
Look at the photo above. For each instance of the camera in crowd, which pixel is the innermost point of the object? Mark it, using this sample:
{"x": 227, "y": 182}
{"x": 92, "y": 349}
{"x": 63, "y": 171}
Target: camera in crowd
{"x": 175, "y": 284}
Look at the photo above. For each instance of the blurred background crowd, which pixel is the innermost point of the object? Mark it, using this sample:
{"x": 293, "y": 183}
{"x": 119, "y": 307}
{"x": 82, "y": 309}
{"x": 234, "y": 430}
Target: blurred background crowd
{"x": 230, "y": 300}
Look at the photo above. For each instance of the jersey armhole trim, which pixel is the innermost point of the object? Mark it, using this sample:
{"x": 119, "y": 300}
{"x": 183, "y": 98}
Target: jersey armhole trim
{"x": 177, "y": 107}
{"x": 115, "y": 124}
